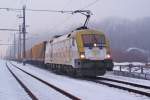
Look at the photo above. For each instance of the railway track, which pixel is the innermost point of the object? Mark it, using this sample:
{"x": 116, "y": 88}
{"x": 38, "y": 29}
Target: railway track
{"x": 128, "y": 86}
{"x": 124, "y": 82}
{"x": 29, "y": 92}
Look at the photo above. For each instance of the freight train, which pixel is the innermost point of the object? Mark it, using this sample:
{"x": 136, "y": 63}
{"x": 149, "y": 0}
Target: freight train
{"x": 83, "y": 52}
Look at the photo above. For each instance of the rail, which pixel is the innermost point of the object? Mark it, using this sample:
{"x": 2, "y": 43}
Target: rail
{"x": 69, "y": 95}
{"x": 27, "y": 90}
{"x": 130, "y": 87}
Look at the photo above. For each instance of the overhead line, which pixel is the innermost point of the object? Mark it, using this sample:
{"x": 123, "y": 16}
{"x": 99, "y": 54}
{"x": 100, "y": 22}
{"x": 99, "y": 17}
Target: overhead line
{"x": 10, "y": 9}
{"x": 36, "y": 10}
{"x": 66, "y": 5}
{"x": 6, "y": 44}
{"x": 61, "y": 23}
{"x": 44, "y": 10}
{"x": 9, "y": 30}
{"x": 90, "y": 4}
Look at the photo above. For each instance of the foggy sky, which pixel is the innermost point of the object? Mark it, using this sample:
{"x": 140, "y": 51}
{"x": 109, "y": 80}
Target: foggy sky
{"x": 42, "y": 22}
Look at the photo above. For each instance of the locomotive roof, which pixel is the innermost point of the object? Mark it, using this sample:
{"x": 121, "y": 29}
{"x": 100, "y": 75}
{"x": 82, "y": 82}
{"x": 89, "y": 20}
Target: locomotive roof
{"x": 72, "y": 34}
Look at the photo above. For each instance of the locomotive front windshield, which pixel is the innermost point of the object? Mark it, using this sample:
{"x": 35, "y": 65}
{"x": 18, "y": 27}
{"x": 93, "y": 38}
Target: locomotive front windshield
{"x": 90, "y": 40}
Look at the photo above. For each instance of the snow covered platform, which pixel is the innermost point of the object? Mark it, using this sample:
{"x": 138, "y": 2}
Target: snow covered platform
{"x": 86, "y": 90}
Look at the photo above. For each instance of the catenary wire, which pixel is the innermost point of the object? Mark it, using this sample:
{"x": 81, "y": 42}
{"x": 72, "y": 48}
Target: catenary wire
{"x": 90, "y": 4}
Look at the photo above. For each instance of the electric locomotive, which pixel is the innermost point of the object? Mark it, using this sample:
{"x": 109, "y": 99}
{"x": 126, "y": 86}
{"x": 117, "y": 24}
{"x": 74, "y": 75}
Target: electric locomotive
{"x": 84, "y": 52}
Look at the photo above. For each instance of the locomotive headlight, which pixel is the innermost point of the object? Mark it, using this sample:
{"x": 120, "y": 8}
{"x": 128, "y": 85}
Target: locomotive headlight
{"x": 95, "y": 45}
{"x": 82, "y": 56}
{"x": 108, "y": 56}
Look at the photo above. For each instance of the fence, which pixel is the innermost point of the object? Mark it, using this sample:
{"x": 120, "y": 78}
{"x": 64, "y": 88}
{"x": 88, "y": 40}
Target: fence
{"x": 136, "y": 71}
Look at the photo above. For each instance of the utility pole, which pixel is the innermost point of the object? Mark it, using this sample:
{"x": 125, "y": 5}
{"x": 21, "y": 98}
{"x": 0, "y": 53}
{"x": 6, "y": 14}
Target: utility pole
{"x": 19, "y": 43}
{"x": 24, "y": 34}
{"x": 14, "y": 46}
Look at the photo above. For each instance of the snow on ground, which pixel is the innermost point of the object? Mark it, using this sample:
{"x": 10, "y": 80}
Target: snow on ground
{"x": 41, "y": 91}
{"x": 86, "y": 90}
{"x": 9, "y": 87}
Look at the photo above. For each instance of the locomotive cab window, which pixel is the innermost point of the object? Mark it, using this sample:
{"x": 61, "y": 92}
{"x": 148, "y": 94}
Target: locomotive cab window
{"x": 93, "y": 40}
